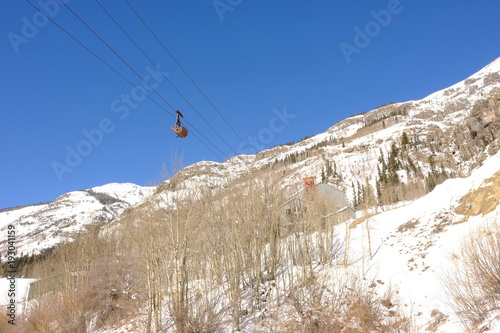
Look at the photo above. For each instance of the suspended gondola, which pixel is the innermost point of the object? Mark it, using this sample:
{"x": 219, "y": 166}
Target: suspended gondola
{"x": 178, "y": 129}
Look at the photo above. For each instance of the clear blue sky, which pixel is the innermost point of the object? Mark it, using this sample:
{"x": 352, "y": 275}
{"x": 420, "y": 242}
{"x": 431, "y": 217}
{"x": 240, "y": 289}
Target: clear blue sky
{"x": 253, "y": 59}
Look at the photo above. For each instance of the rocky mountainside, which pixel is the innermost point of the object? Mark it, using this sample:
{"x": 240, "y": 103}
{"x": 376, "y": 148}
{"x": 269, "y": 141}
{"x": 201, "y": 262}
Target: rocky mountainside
{"x": 457, "y": 126}
{"x": 449, "y": 132}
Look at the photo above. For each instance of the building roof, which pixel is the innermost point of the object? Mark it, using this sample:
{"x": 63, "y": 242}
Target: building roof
{"x": 326, "y": 192}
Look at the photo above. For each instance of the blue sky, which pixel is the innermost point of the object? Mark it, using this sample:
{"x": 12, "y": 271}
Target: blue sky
{"x": 276, "y": 70}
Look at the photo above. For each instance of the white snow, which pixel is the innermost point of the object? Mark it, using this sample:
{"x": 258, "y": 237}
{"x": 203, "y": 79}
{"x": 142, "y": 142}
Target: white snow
{"x": 14, "y": 291}
{"x": 415, "y": 260}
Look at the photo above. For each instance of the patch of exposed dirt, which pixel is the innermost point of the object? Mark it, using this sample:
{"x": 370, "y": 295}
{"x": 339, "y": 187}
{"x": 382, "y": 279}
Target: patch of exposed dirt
{"x": 483, "y": 200}
{"x": 360, "y": 220}
{"x": 410, "y": 225}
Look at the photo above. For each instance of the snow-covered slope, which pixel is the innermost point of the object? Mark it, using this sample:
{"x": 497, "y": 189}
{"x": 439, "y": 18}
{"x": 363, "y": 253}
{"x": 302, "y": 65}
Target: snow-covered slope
{"x": 412, "y": 246}
{"x": 42, "y": 226}
{"x": 22, "y": 291}
{"x": 407, "y": 247}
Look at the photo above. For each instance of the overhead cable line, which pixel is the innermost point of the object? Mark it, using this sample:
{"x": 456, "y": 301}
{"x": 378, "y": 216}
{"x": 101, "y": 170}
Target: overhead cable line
{"x": 134, "y": 71}
{"x": 110, "y": 67}
{"x": 185, "y": 72}
{"x": 168, "y": 80}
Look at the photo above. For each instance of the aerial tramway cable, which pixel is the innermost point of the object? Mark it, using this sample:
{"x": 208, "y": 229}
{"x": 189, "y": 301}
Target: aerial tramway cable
{"x": 133, "y": 70}
{"x": 185, "y": 72}
{"x": 164, "y": 76}
{"x": 138, "y": 75}
{"x": 121, "y": 75}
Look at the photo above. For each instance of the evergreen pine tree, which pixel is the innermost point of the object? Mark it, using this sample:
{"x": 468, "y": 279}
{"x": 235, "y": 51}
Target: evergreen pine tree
{"x": 404, "y": 140}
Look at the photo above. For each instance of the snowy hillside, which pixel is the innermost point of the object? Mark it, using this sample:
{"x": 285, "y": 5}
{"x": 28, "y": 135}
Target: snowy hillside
{"x": 412, "y": 246}
{"x": 354, "y": 145}
{"x": 407, "y": 249}
{"x": 42, "y": 226}
{"x": 442, "y": 121}
{"x": 422, "y": 175}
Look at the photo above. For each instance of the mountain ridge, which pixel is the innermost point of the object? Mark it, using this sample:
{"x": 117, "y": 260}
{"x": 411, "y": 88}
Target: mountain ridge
{"x": 45, "y": 225}
{"x": 353, "y": 144}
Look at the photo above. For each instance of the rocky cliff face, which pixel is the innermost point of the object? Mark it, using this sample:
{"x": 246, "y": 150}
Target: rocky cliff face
{"x": 456, "y": 125}
{"x": 483, "y": 123}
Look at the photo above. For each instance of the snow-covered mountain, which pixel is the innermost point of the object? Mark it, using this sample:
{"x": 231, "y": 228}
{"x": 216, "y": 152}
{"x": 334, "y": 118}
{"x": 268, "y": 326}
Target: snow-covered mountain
{"x": 407, "y": 246}
{"x": 447, "y": 120}
{"x": 455, "y": 125}
{"x": 42, "y": 226}
{"x": 452, "y": 133}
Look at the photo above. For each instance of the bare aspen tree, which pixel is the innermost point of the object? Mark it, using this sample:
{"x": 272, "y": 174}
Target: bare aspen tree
{"x": 347, "y": 244}
{"x": 143, "y": 231}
